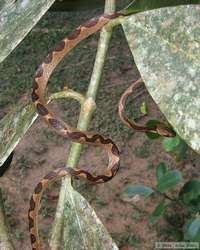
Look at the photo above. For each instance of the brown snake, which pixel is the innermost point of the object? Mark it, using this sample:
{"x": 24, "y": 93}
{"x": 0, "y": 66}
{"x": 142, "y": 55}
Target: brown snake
{"x": 159, "y": 128}
{"x": 41, "y": 78}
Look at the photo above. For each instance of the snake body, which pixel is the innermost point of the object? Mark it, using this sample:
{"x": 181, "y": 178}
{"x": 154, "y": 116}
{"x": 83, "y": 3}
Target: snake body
{"x": 41, "y": 77}
{"x": 159, "y": 128}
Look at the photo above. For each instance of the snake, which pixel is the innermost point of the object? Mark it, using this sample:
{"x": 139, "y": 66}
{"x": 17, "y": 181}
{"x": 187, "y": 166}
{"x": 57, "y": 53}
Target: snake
{"x": 40, "y": 81}
{"x": 160, "y": 128}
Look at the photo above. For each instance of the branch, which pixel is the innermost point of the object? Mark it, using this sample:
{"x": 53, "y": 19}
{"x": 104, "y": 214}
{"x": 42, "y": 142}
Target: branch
{"x": 68, "y": 93}
{"x": 68, "y": 198}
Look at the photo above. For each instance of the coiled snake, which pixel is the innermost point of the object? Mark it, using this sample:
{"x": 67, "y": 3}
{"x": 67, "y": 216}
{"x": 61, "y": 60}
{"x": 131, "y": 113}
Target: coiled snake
{"x": 38, "y": 91}
{"x": 39, "y": 84}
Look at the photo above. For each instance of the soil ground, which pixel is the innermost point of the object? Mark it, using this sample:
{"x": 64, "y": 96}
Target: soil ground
{"x": 42, "y": 150}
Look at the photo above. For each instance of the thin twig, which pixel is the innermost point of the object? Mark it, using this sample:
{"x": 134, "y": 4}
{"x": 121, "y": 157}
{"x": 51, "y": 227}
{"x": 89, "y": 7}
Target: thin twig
{"x": 164, "y": 195}
{"x": 68, "y": 93}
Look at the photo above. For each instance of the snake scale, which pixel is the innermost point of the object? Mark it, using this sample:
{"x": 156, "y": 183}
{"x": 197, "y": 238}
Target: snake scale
{"x": 41, "y": 78}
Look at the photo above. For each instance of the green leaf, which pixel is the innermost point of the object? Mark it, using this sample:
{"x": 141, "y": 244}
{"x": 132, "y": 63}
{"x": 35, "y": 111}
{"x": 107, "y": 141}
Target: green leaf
{"x": 143, "y": 108}
{"x": 132, "y": 190}
{"x": 150, "y": 135}
{"x": 181, "y": 150}
{"x": 190, "y": 191}
{"x": 170, "y": 143}
{"x": 167, "y": 59}
{"x": 161, "y": 170}
{"x": 17, "y": 20}
{"x": 193, "y": 230}
{"x": 158, "y": 212}
{"x": 169, "y": 180}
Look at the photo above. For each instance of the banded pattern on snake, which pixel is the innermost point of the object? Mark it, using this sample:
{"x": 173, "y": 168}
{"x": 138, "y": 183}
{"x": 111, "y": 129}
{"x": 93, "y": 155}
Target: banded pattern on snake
{"x": 39, "y": 84}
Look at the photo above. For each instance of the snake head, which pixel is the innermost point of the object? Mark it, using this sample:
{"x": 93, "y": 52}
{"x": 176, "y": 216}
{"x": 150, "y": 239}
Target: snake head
{"x": 165, "y": 131}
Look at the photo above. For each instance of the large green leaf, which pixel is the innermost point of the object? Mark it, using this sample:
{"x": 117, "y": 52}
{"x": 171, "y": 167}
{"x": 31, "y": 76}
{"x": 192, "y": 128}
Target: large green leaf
{"x": 13, "y": 127}
{"x": 165, "y": 45}
{"x": 82, "y": 228}
{"x": 169, "y": 180}
{"x": 17, "y": 18}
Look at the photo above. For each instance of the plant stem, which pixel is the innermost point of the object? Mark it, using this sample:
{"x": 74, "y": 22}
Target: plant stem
{"x": 164, "y": 195}
{"x": 89, "y": 105}
{"x": 68, "y": 93}
{"x": 87, "y": 109}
